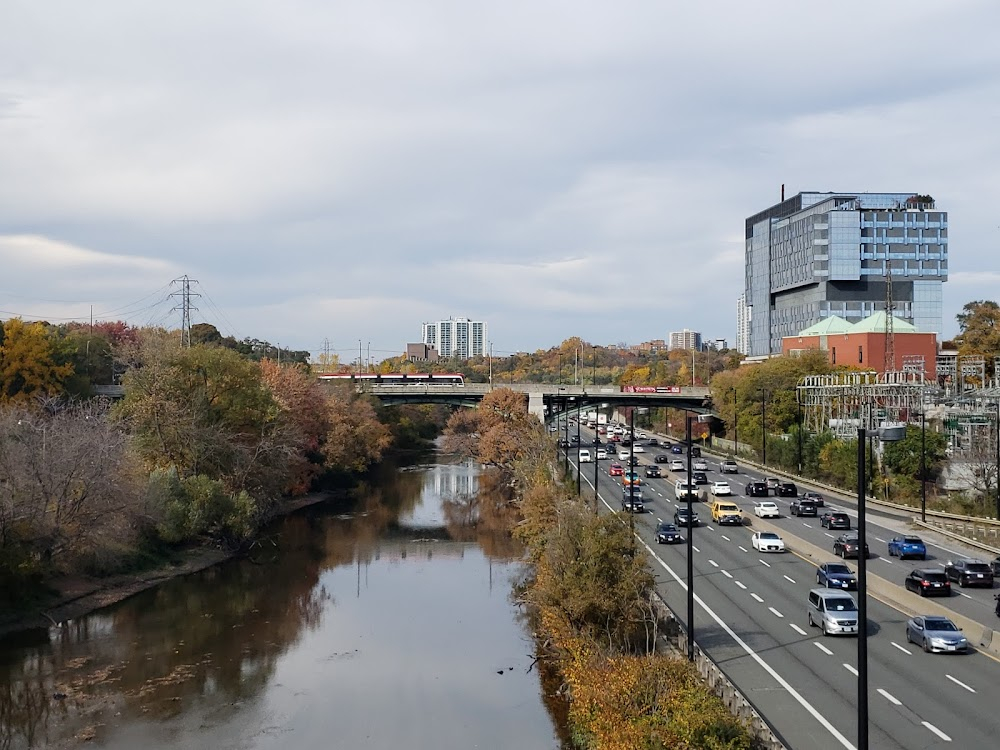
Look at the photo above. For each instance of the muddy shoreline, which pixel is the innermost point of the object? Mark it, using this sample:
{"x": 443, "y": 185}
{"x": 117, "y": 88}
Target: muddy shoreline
{"x": 76, "y": 597}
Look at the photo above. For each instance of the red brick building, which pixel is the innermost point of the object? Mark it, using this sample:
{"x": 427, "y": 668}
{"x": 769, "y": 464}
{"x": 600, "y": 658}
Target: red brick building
{"x": 862, "y": 344}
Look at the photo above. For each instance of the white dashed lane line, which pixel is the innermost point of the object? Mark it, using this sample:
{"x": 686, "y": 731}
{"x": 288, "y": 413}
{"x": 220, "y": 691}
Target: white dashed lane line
{"x": 797, "y": 629}
{"x": 724, "y": 537}
{"x": 744, "y": 549}
{"x": 776, "y": 612}
{"x": 766, "y": 564}
{"x": 885, "y": 560}
{"x": 757, "y": 598}
{"x": 741, "y": 585}
{"x": 790, "y": 580}
{"x": 904, "y": 650}
{"x": 823, "y": 648}
{"x": 889, "y": 697}
{"x": 727, "y": 574}
{"x": 695, "y": 548}
{"x": 828, "y": 534}
{"x": 880, "y": 540}
{"x": 936, "y": 731}
{"x": 851, "y": 669}
{"x": 960, "y": 683}
{"x": 713, "y": 563}
{"x": 808, "y": 526}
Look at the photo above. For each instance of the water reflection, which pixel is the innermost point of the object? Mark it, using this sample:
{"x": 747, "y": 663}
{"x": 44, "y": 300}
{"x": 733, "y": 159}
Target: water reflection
{"x": 346, "y": 627}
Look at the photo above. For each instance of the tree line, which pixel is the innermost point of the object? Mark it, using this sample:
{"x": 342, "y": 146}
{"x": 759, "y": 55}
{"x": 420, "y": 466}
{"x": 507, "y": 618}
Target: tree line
{"x": 203, "y": 447}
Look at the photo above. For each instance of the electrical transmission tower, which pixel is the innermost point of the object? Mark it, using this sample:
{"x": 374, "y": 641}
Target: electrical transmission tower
{"x": 185, "y": 307}
{"x": 890, "y": 333}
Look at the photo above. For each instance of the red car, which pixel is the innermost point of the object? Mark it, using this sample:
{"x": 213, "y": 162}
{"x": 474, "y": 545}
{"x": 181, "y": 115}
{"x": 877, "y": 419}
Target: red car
{"x": 616, "y": 470}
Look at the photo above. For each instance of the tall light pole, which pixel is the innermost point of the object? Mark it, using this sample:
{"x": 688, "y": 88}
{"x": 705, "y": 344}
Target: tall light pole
{"x": 998, "y": 459}
{"x": 923, "y": 464}
{"x": 862, "y": 600}
{"x": 565, "y": 410}
{"x": 798, "y": 402}
{"x": 631, "y": 484}
{"x": 736, "y": 424}
{"x": 763, "y": 427}
{"x": 597, "y": 444}
{"x": 690, "y": 540}
{"x": 579, "y": 466}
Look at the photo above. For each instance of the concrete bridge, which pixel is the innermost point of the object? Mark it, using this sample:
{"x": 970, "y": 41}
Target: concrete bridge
{"x": 542, "y": 396}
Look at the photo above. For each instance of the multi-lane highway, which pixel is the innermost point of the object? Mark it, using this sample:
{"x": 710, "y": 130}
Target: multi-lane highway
{"x": 751, "y": 619}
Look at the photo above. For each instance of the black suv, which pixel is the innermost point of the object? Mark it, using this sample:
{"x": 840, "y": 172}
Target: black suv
{"x": 786, "y": 489}
{"x": 833, "y": 519}
{"x": 681, "y": 517}
{"x": 661, "y": 458}
{"x": 653, "y": 471}
{"x": 695, "y": 451}
{"x": 803, "y": 507}
{"x": 847, "y": 545}
{"x": 756, "y": 489}
{"x": 928, "y": 582}
{"x": 970, "y": 573}
{"x": 699, "y": 477}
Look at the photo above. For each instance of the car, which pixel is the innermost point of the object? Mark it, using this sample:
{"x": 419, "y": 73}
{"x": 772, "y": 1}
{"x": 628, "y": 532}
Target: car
{"x": 935, "y": 633}
{"x": 766, "y": 509}
{"x": 907, "y": 546}
{"x": 803, "y": 507}
{"x": 815, "y": 497}
{"x": 756, "y": 489}
{"x": 767, "y": 541}
{"x": 616, "y": 470}
{"x": 835, "y": 519}
{"x": 847, "y": 545}
{"x": 632, "y": 503}
{"x": 676, "y": 465}
{"x": 786, "y": 489}
{"x": 623, "y": 455}
{"x": 652, "y": 442}
{"x": 667, "y": 533}
{"x": 833, "y": 611}
{"x": 552, "y": 428}
{"x": 700, "y": 464}
{"x": 835, "y": 575}
{"x": 927, "y": 582}
{"x": 631, "y": 477}
{"x": 574, "y": 439}
{"x": 729, "y": 467}
{"x": 661, "y": 458}
{"x": 676, "y": 449}
{"x": 585, "y": 457}
{"x": 682, "y": 489}
{"x": 653, "y": 471}
{"x": 699, "y": 477}
{"x": 625, "y": 441}
{"x": 720, "y": 488}
{"x": 636, "y": 448}
{"x": 681, "y": 517}
{"x": 772, "y": 483}
{"x": 564, "y": 443}
{"x": 695, "y": 451}
{"x": 726, "y": 512}
{"x": 996, "y": 567}
{"x": 969, "y": 573}
{"x": 601, "y": 454}
{"x": 632, "y": 461}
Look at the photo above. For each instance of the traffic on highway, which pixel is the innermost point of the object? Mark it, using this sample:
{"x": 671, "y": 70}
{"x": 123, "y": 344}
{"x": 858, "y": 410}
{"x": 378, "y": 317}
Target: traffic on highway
{"x": 776, "y": 608}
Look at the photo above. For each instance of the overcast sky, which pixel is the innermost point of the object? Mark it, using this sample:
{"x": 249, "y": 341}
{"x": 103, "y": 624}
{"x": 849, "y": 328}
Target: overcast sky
{"x": 347, "y": 170}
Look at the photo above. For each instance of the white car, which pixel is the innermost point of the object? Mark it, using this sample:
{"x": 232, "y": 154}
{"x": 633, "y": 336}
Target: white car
{"x": 638, "y": 449}
{"x": 766, "y": 509}
{"x": 767, "y": 541}
{"x": 585, "y": 456}
{"x": 721, "y": 488}
{"x": 641, "y": 435}
{"x": 601, "y": 454}
{"x": 700, "y": 464}
{"x": 623, "y": 455}
{"x": 676, "y": 465}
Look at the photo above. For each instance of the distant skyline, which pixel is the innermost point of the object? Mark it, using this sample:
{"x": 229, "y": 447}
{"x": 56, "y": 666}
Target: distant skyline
{"x": 333, "y": 171}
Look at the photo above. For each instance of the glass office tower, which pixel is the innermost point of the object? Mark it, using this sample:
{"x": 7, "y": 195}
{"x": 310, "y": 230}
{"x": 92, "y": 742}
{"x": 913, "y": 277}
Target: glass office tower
{"x": 821, "y": 254}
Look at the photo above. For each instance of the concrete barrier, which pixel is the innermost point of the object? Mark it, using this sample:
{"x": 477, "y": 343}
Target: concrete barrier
{"x": 891, "y": 593}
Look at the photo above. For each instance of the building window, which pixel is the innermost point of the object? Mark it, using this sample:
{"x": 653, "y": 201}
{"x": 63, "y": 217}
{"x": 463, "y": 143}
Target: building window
{"x": 861, "y": 354}
{"x": 833, "y": 356}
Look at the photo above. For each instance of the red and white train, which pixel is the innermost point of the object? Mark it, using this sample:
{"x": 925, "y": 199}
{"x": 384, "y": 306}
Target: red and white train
{"x": 399, "y": 378}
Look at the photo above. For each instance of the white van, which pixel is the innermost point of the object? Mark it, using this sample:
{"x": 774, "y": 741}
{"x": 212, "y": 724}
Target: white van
{"x": 682, "y": 489}
{"x": 585, "y": 456}
{"x": 835, "y": 612}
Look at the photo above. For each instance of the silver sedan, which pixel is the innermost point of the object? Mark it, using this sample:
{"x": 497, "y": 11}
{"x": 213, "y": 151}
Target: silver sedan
{"x": 935, "y": 633}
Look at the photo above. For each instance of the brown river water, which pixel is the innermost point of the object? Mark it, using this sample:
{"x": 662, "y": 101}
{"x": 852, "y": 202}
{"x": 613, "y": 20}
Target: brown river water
{"x": 387, "y": 622}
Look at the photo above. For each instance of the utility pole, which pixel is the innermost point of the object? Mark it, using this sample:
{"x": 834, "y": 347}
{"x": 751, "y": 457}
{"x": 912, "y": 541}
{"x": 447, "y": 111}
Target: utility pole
{"x": 359, "y": 356}
{"x": 326, "y": 355}
{"x": 576, "y": 368}
{"x": 185, "y": 307}
{"x": 491, "y": 365}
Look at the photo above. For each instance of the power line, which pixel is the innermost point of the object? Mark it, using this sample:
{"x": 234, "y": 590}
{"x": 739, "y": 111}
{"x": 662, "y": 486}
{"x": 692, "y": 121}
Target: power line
{"x": 185, "y": 307}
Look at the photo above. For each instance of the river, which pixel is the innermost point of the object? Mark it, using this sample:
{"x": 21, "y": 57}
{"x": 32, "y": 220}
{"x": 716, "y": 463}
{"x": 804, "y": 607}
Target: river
{"x": 387, "y": 624}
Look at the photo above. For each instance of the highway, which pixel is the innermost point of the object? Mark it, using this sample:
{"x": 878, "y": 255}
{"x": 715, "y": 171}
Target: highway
{"x": 751, "y": 619}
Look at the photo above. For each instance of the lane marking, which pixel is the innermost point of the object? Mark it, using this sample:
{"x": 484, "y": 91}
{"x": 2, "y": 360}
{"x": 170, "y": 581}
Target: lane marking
{"x": 743, "y": 548}
{"x": 714, "y": 563}
{"x": 823, "y": 648}
{"x": 797, "y": 629}
{"x": 825, "y": 533}
{"x": 904, "y": 650}
{"x": 965, "y": 595}
{"x": 776, "y": 613}
{"x": 880, "y": 540}
{"x": 695, "y": 548}
{"x": 727, "y": 574}
{"x": 851, "y": 669}
{"x": 790, "y": 580}
{"x": 809, "y": 707}
{"x": 726, "y": 538}
{"x": 886, "y": 560}
{"x": 936, "y": 731}
{"x": 808, "y": 526}
{"x": 757, "y": 598}
{"x": 742, "y": 586}
{"x": 889, "y": 697}
{"x": 765, "y": 563}
{"x": 960, "y": 683}
{"x": 710, "y": 528}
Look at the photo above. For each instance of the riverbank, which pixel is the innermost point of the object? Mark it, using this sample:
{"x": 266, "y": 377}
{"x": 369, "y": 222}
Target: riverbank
{"x": 76, "y": 596}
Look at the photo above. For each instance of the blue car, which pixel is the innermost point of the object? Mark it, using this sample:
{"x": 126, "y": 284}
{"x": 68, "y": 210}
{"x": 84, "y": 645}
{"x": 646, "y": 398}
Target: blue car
{"x": 676, "y": 449}
{"x": 836, "y": 575}
{"x": 907, "y": 546}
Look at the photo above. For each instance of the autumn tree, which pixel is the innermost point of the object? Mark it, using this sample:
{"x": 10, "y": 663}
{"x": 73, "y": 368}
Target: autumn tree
{"x": 979, "y": 330}
{"x": 356, "y": 439}
{"x": 28, "y": 363}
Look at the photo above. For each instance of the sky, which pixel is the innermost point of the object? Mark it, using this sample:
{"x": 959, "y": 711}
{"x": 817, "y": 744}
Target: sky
{"x": 331, "y": 172}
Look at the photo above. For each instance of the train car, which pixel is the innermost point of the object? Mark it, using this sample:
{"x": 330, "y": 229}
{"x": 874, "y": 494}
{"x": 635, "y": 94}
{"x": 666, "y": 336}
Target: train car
{"x": 399, "y": 378}
{"x": 651, "y": 389}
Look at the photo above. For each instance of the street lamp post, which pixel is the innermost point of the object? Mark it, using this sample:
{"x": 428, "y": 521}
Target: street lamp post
{"x": 736, "y": 425}
{"x": 579, "y": 467}
{"x": 690, "y": 541}
{"x": 597, "y": 444}
{"x": 998, "y": 459}
{"x": 565, "y": 411}
{"x": 923, "y": 465}
{"x": 798, "y": 402}
{"x": 862, "y": 600}
{"x": 763, "y": 427}
{"x": 631, "y": 484}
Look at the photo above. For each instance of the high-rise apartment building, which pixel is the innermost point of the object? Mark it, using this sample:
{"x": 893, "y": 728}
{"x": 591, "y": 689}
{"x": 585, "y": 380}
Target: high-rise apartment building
{"x": 822, "y": 254}
{"x": 685, "y": 340}
{"x": 742, "y": 325}
{"x": 456, "y": 337}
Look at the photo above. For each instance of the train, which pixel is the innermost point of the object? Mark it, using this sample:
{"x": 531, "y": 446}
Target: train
{"x": 399, "y": 378}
